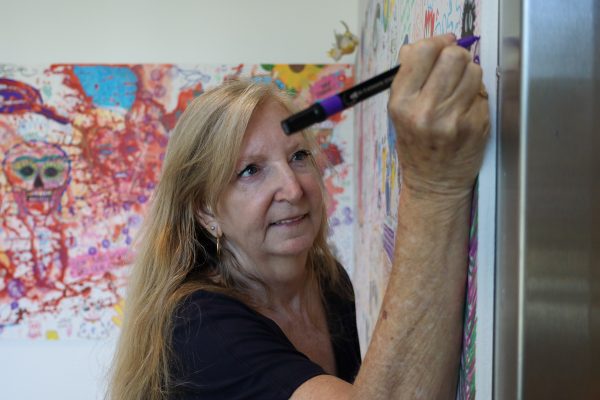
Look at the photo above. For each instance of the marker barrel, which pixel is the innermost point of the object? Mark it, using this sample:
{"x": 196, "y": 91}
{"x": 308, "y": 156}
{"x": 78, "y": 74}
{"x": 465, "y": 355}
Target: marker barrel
{"x": 332, "y": 105}
{"x": 368, "y": 88}
{"x": 322, "y": 109}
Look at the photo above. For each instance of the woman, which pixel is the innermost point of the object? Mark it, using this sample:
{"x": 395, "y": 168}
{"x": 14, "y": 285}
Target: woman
{"x": 235, "y": 293}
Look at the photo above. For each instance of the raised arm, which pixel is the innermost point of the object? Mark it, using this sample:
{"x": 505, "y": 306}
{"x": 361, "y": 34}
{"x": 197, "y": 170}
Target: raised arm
{"x": 442, "y": 124}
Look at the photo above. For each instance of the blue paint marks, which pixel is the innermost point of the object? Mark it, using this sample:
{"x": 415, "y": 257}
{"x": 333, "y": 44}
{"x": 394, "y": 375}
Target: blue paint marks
{"x": 347, "y": 211}
{"x": 108, "y": 86}
{"x": 391, "y": 136}
{"x": 391, "y": 154}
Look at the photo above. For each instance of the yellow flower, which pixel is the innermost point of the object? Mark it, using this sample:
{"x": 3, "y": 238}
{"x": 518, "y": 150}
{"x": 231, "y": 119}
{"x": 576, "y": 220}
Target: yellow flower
{"x": 296, "y": 77}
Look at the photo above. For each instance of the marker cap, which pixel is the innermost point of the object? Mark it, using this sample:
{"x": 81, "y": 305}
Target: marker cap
{"x": 303, "y": 119}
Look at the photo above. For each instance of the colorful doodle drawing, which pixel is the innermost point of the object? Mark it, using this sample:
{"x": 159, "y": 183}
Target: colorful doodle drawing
{"x": 81, "y": 149}
{"x": 20, "y": 98}
{"x": 378, "y": 173}
{"x": 466, "y": 384}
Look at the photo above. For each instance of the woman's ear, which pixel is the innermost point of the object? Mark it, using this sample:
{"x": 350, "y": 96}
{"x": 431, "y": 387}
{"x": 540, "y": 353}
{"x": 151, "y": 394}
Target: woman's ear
{"x": 208, "y": 221}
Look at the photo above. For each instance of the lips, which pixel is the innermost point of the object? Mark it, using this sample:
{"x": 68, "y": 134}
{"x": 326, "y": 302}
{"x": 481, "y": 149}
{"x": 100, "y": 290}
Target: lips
{"x": 289, "y": 220}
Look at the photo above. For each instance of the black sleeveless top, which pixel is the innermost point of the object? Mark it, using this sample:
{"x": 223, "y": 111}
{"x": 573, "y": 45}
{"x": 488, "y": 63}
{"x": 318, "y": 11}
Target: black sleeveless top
{"x": 223, "y": 349}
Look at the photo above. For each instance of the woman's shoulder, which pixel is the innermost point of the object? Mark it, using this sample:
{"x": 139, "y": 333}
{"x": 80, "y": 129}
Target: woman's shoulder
{"x": 207, "y": 323}
{"x": 209, "y": 298}
{"x": 210, "y": 306}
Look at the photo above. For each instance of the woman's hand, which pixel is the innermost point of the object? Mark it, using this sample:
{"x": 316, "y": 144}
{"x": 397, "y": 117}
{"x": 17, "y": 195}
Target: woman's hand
{"x": 440, "y": 112}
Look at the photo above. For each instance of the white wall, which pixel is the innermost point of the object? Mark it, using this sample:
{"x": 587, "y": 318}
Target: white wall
{"x": 145, "y": 31}
{"x": 172, "y": 31}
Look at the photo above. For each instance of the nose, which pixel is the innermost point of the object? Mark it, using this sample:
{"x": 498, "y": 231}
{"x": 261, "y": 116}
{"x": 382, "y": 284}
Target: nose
{"x": 288, "y": 186}
{"x": 38, "y": 184}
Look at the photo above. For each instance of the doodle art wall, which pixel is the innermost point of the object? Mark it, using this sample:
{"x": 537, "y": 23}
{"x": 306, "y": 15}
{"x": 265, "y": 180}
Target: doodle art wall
{"x": 81, "y": 148}
{"x": 385, "y": 25}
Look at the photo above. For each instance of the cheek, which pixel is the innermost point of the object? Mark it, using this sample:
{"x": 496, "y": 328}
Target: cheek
{"x": 314, "y": 191}
{"x": 244, "y": 211}
{"x": 56, "y": 182}
{"x": 17, "y": 181}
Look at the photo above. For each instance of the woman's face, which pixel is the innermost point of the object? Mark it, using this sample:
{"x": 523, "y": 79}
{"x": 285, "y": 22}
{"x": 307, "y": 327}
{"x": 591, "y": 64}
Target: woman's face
{"x": 273, "y": 206}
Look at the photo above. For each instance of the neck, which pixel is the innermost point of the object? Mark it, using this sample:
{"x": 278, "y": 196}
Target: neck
{"x": 291, "y": 305}
{"x": 290, "y": 288}
{"x": 291, "y": 296}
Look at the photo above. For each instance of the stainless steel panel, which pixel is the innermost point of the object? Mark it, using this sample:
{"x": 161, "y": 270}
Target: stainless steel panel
{"x": 548, "y": 252}
{"x": 507, "y": 323}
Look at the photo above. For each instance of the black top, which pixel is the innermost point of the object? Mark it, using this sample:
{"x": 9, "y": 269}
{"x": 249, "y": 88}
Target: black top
{"x": 225, "y": 350}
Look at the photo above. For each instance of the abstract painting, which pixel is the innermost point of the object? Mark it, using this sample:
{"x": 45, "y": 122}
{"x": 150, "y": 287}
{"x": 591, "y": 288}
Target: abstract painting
{"x": 81, "y": 148}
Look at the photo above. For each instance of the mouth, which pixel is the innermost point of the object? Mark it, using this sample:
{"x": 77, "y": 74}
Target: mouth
{"x": 39, "y": 196}
{"x": 289, "y": 221}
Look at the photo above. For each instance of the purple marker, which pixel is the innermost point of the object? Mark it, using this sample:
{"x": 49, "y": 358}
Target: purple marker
{"x": 325, "y": 108}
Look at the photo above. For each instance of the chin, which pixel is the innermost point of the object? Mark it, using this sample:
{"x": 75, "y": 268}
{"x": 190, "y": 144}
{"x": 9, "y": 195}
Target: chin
{"x": 295, "y": 248}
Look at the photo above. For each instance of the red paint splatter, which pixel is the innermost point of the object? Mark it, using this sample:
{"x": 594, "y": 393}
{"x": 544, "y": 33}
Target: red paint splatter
{"x": 333, "y": 153}
{"x": 430, "y": 16}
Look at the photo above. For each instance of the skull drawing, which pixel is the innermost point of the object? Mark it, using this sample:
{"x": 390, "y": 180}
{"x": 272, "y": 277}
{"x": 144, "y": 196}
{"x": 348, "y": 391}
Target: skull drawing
{"x": 38, "y": 173}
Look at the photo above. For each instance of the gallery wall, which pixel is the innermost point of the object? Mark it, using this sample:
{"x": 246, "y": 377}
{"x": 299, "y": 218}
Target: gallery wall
{"x": 176, "y": 31}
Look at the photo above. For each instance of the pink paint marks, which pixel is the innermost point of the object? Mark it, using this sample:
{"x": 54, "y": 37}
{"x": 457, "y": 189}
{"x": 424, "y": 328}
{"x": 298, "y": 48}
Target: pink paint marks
{"x": 333, "y": 190}
{"x": 100, "y": 263}
{"x": 35, "y": 330}
{"x": 329, "y": 85}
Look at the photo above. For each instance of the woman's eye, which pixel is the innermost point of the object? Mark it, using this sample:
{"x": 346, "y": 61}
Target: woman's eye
{"x": 248, "y": 171}
{"x": 301, "y": 155}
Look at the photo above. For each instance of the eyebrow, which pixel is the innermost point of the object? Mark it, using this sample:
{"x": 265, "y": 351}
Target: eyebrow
{"x": 39, "y": 159}
{"x": 253, "y": 156}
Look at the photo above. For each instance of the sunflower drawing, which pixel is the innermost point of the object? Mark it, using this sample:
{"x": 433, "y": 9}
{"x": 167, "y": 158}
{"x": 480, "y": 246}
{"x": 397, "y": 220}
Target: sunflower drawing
{"x": 296, "y": 77}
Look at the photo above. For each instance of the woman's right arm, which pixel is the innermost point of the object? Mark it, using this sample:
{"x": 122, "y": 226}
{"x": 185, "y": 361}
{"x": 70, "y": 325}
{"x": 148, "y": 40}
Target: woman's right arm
{"x": 442, "y": 125}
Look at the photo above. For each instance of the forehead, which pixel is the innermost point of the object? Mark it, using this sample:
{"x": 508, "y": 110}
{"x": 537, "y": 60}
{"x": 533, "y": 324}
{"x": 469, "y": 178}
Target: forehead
{"x": 264, "y": 130}
{"x": 38, "y": 150}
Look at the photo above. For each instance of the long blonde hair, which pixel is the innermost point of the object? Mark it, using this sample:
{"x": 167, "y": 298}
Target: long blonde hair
{"x": 177, "y": 256}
